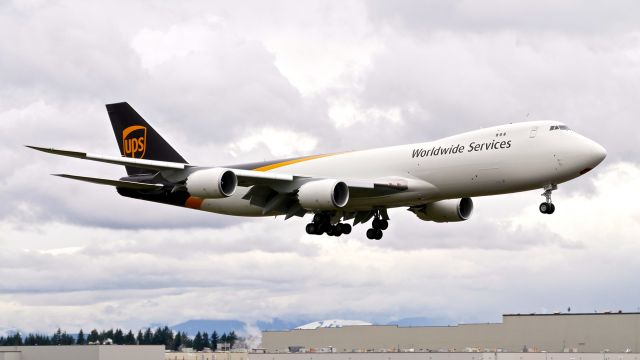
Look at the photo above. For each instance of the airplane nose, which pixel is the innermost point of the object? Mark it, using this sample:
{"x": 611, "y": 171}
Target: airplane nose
{"x": 597, "y": 153}
{"x": 593, "y": 154}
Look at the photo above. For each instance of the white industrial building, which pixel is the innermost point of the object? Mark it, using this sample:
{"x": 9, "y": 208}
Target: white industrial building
{"x": 83, "y": 352}
{"x": 566, "y": 332}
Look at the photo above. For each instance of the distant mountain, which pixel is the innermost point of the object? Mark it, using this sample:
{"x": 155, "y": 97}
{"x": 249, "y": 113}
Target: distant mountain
{"x": 420, "y": 321}
{"x": 191, "y": 327}
{"x": 334, "y": 323}
{"x": 279, "y": 324}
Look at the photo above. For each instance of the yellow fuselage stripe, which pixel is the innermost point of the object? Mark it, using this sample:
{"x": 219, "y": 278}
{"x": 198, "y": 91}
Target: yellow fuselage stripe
{"x": 290, "y": 162}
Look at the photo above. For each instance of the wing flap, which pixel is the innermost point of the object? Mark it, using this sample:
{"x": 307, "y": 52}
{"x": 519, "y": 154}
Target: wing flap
{"x": 116, "y": 183}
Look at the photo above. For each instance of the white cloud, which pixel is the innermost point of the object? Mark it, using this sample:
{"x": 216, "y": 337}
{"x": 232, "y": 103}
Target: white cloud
{"x": 279, "y": 143}
{"x": 227, "y": 85}
{"x": 263, "y": 269}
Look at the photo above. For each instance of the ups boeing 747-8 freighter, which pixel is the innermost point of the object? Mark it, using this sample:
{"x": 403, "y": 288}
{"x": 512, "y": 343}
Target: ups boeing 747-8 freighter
{"x": 435, "y": 180}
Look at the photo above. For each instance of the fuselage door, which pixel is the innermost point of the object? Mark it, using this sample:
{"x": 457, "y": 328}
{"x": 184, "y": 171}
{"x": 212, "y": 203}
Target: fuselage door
{"x": 534, "y": 131}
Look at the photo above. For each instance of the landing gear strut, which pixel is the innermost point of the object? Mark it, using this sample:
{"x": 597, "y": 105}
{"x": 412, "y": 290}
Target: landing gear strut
{"x": 547, "y": 207}
{"x": 322, "y": 224}
{"x": 377, "y": 225}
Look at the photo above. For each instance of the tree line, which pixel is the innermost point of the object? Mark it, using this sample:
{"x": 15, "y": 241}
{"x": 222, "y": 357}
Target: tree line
{"x": 160, "y": 336}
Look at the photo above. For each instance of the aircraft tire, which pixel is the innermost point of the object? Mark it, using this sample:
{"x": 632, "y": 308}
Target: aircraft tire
{"x": 346, "y": 228}
{"x": 378, "y": 234}
{"x": 337, "y": 230}
{"x": 552, "y": 208}
{"x": 371, "y": 234}
{"x": 384, "y": 224}
{"x": 376, "y": 223}
{"x": 311, "y": 228}
{"x": 544, "y": 208}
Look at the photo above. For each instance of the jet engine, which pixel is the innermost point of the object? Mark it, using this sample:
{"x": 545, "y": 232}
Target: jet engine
{"x": 446, "y": 210}
{"x": 213, "y": 183}
{"x": 323, "y": 195}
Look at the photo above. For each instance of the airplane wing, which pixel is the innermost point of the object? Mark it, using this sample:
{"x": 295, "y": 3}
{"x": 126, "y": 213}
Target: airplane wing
{"x": 133, "y": 162}
{"x": 118, "y": 183}
{"x": 245, "y": 177}
{"x": 269, "y": 190}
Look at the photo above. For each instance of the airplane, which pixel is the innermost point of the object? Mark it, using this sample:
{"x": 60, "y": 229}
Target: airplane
{"x": 434, "y": 180}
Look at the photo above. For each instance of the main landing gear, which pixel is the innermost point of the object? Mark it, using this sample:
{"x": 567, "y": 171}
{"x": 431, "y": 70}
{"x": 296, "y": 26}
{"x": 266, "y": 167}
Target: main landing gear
{"x": 322, "y": 224}
{"x": 547, "y": 207}
{"x": 377, "y": 225}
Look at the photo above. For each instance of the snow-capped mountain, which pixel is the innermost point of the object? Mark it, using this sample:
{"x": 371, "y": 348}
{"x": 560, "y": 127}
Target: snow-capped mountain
{"x": 335, "y": 323}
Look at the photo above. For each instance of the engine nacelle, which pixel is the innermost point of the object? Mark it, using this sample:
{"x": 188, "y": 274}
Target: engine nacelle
{"x": 323, "y": 195}
{"x": 446, "y": 210}
{"x": 213, "y": 183}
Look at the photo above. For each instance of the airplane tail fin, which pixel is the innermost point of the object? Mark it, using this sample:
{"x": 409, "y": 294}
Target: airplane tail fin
{"x": 137, "y": 139}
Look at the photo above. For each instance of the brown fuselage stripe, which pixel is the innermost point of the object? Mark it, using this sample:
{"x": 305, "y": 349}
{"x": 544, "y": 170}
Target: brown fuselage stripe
{"x": 290, "y": 162}
{"x": 193, "y": 202}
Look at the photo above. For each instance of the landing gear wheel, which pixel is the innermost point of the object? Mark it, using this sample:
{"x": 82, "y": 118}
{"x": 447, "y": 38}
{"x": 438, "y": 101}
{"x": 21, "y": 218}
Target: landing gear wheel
{"x": 311, "y": 228}
{"x": 371, "y": 234}
{"x": 381, "y": 224}
{"x": 544, "y": 208}
{"x": 345, "y": 228}
{"x": 547, "y": 208}
{"x": 378, "y": 234}
{"x": 331, "y": 231}
{"x": 384, "y": 224}
{"x": 337, "y": 230}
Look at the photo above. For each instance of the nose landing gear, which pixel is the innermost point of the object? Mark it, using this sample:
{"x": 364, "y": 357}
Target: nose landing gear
{"x": 547, "y": 207}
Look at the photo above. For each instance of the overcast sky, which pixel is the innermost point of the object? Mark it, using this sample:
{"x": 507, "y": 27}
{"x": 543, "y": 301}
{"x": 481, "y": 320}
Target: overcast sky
{"x": 243, "y": 81}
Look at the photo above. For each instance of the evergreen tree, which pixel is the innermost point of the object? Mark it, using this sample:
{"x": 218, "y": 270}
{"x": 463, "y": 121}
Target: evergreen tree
{"x": 214, "y": 340}
{"x": 80, "y": 340}
{"x": 118, "y": 337}
{"x": 231, "y": 339}
{"x": 158, "y": 338}
{"x": 205, "y": 340}
{"x": 93, "y": 336}
{"x": 167, "y": 337}
{"x": 66, "y": 339}
{"x": 177, "y": 342}
{"x": 223, "y": 338}
{"x": 197, "y": 342}
{"x": 186, "y": 341}
{"x": 14, "y": 340}
{"x": 105, "y": 335}
{"x": 139, "y": 338}
{"x": 129, "y": 339}
{"x": 56, "y": 339}
{"x": 148, "y": 337}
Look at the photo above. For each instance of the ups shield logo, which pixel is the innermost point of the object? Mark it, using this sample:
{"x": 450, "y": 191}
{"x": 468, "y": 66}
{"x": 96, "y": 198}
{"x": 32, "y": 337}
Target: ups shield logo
{"x": 134, "y": 141}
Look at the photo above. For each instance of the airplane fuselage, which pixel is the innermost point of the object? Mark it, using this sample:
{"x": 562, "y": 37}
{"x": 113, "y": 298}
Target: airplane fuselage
{"x": 497, "y": 160}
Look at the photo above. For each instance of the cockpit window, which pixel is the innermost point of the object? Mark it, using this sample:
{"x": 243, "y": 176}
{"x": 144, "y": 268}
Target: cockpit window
{"x": 559, "y": 127}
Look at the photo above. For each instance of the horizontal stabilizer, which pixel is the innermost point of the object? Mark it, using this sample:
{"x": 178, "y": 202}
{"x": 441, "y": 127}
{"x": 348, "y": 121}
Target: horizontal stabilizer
{"x": 117, "y": 183}
{"x": 133, "y": 162}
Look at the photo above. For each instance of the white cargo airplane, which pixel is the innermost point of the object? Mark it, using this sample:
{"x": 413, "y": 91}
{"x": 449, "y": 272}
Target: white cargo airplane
{"x": 435, "y": 180}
